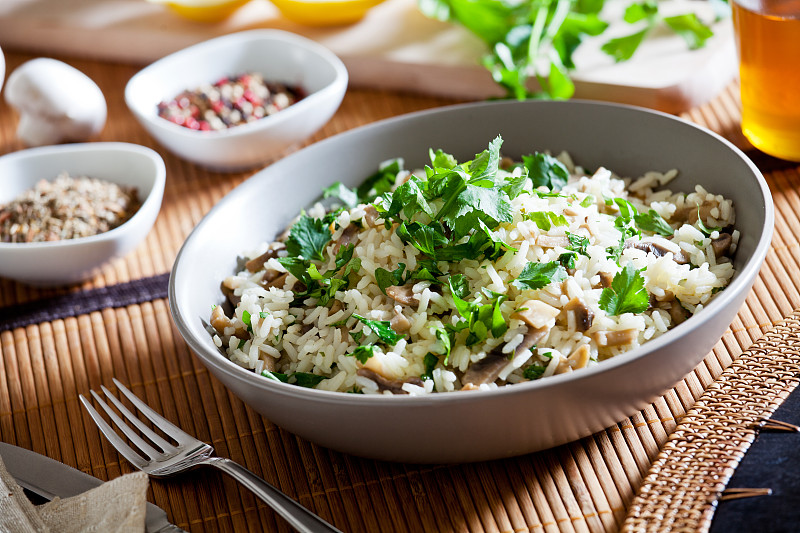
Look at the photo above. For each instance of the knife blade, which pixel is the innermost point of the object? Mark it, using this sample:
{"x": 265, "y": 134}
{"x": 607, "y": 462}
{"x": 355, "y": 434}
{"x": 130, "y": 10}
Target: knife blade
{"x": 49, "y": 478}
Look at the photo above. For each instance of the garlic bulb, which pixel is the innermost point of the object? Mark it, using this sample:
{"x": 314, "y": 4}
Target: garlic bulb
{"x": 56, "y": 103}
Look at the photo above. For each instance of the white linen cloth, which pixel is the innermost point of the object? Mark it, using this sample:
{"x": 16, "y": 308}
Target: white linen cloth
{"x": 117, "y": 506}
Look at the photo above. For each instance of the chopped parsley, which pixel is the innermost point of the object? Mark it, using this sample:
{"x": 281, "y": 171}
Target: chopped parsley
{"x": 534, "y": 372}
{"x": 381, "y": 328}
{"x": 578, "y": 243}
{"x": 626, "y": 294}
{"x": 301, "y": 379}
{"x": 430, "y": 361}
{"x": 480, "y": 319}
{"x": 546, "y": 219}
{"x": 702, "y": 227}
{"x": 654, "y": 223}
{"x": 538, "y": 275}
{"x": 364, "y": 352}
{"x": 308, "y": 238}
{"x": 390, "y": 279}
{"x": 545, "y": 170}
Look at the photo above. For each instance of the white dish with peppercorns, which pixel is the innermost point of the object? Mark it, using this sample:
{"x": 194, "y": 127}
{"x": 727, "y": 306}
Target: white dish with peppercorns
{"x": 67, "y": 209}
{"x": 238, "y": 101}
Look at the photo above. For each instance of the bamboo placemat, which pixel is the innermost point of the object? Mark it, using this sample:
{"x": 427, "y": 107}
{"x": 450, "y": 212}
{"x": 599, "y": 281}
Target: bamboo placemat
{"x": 588, "y": 485}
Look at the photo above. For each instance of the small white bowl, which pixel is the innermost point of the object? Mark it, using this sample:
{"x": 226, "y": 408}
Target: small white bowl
{"x": 277, "y": 55}
{"x": 74, "y": 260}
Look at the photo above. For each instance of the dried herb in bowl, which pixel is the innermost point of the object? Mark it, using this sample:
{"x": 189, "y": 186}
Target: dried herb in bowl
{"x": 66, "y": 208}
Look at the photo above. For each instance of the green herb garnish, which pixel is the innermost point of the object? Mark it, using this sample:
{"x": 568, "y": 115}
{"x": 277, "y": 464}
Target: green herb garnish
{"x": 654, "y": 223}
{"x": 308, "y": 238}
{"x": 537, "y": 275}
{"x": 626, "y": 294}
{"x": 381, "y": 328}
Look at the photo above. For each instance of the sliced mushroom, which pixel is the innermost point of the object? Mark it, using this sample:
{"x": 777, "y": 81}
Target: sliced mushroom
{"x": 371, "y": 216}
{"x": 677, "y": 312}
{"x": 536, "y": 313}
{"x": 488, "y": 369}
{"x": 688, "y": 213}
{"x": 549, "y": 241}
{"x": 583, "y": 315}
{"x": 722, "y": 245}
{"x": 257, "y": 263}
{"x": 220, "y": 321}
{"x": 606, "y": 279}
{"x": 270, "y": 275}
{"x": 277, "y": 281}
{"x": 392, "y": 385}
{"x": 616, "y": 338}
{"x": 349, "y": 236}
{"x": 270, "y": 363}
{"x": 658, "y": 250}
{"x": 336, "y": 306}
{"x": 229, "y": 294}
{"x": 399, "y": 322}
{"x": 577, "y": 359}
{"x": 402, "y": 294}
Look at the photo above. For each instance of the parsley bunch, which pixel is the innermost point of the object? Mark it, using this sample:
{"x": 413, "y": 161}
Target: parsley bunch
{"x": 539, "y": 37}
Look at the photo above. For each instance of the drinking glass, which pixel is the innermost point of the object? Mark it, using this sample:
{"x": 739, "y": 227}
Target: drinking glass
{"x": 768, "y": 43}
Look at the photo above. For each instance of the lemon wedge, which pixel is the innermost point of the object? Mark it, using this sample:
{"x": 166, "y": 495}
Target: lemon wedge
{"x": 325, "y": 12}
{"x": 203, "y": 10}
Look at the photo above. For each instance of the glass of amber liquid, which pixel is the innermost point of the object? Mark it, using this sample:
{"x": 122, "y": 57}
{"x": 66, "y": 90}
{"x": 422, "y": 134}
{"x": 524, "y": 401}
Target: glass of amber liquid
{"x": 768, "y": 43}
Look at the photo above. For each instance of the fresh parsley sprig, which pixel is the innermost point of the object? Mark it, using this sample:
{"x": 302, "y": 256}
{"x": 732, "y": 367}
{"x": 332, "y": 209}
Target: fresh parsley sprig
{"x": 538, "y": 39}
{"x": 627, "y": 293}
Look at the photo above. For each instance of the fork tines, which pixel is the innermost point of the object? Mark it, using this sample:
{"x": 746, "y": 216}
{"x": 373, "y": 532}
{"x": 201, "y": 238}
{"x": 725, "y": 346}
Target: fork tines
{"x": 150, "y": 453}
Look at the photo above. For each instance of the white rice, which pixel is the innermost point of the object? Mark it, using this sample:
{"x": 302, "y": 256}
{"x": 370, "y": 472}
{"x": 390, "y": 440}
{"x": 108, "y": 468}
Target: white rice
{"x": 303, "y": 337}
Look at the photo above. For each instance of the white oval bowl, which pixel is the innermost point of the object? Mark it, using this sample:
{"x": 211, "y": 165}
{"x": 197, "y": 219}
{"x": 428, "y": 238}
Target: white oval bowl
{"x": 278, "y": 56}
{"x": 512, "y": 420}
{"x": 74, "y": 260}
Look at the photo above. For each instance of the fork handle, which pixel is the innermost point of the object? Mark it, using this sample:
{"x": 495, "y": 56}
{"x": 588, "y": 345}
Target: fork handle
{"x": 298, "y": 516}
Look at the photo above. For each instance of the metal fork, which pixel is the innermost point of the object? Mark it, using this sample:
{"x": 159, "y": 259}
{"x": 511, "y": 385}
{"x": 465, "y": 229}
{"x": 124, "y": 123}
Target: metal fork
{"x": 166, "y": 459}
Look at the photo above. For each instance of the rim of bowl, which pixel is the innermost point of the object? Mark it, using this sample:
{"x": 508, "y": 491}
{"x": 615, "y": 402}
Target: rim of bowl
{"x": 154, "y": 196}
{"x": 339, "y": 83}
{"x": 723, "y": 299}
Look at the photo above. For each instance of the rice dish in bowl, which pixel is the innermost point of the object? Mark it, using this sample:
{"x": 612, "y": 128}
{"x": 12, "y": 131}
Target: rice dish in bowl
{"x": 474, "y": 275}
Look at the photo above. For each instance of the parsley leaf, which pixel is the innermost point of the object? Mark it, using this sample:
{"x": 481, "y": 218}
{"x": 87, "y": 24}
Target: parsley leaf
{"x": 338, "y": 190}
{"x": 308, "y": 238}
{"x": 382, "y": 181}
{"x": 430, "y": 361}
{"x": 472, "y": 193}
{"x": 389, "y": 279}
{"x": 479, "y": 318}
{"x": 626, "y": 294}
{"x": 546, "y": 219}
{"x": 578, "y": 243}
{"x": 690, "y": 28}
{"x": 301, "y": 379}
{"x": 702, "y": 227}
{"x": 537, "y": 275}
{"x": 567, "y": 259}
{"x": 534, "y": 372}
{"x": 410, "y": 199}
{"x": 381, "y": 328}
{"x": 447, "y": 342}
{"x": 654, "y": 223}
{"x": 546, "y": 170}
{"x": 623, "y": 48}
{"x": 363, "y": 353}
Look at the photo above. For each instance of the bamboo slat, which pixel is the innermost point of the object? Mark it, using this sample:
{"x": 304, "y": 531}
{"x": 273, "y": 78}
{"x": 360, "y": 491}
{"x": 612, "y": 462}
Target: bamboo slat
{"x": 586, "y": 486}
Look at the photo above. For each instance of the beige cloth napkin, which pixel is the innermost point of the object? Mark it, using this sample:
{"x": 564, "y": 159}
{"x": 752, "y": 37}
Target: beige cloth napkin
{"x": 117, "y": 506}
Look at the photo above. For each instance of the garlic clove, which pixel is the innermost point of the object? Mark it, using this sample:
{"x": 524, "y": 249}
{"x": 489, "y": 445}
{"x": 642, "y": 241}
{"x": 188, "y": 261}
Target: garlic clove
{"x": 56, "y": 103}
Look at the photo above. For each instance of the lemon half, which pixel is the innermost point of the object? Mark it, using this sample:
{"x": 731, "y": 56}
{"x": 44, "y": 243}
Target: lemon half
{"x": 203, "y": 10}
{"x": 325, "y": 12}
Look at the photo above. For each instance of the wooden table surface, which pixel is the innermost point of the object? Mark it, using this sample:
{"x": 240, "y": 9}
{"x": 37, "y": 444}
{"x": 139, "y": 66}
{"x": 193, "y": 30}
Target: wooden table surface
{"x": 587, "y": 485}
